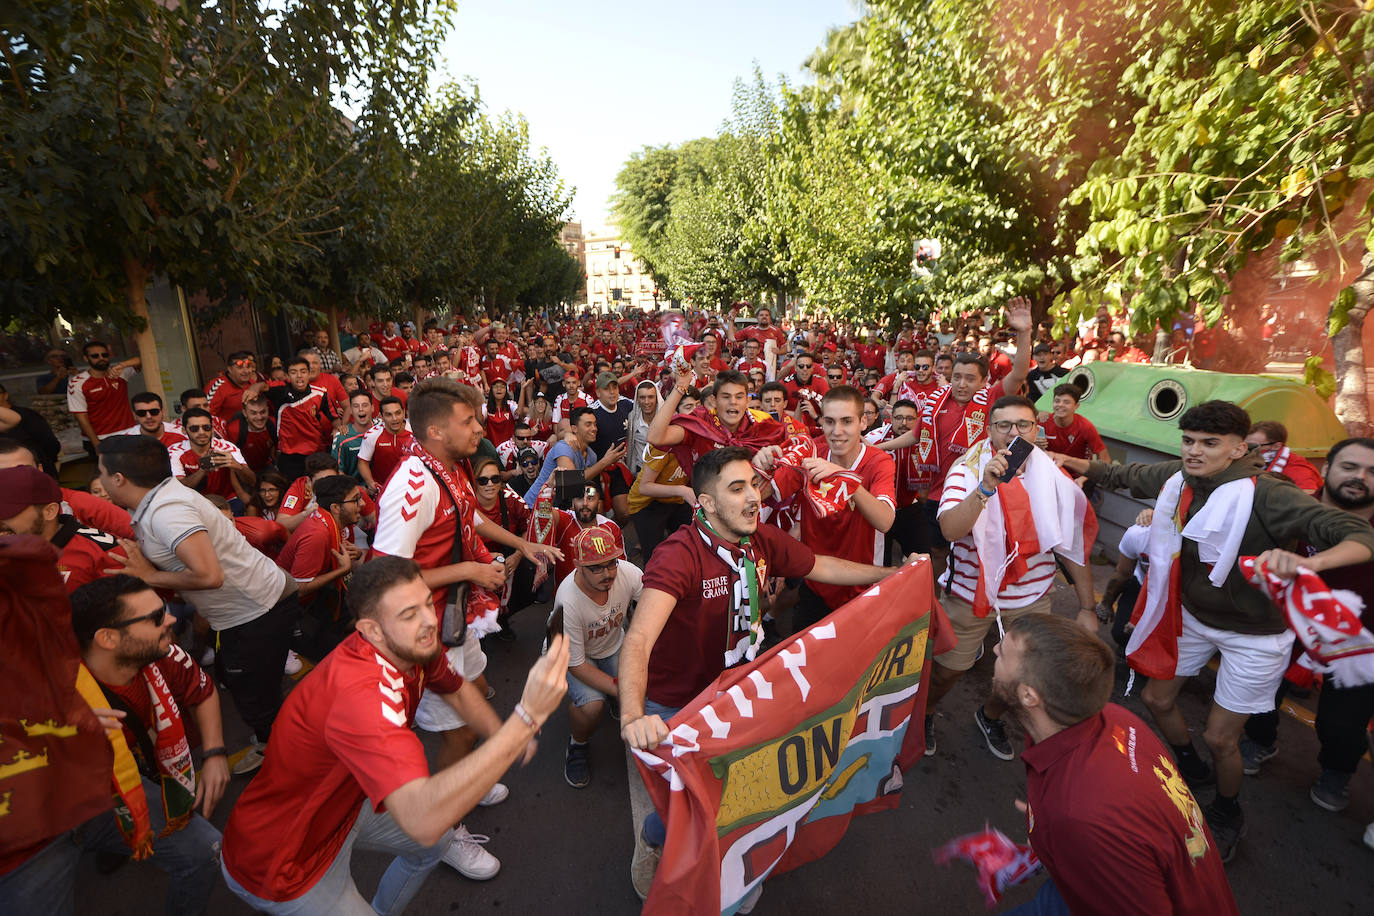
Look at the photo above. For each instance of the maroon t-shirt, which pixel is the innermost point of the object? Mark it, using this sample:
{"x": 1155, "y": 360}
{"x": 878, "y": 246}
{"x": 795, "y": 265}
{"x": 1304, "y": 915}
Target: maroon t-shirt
{"x": 690, "y": 651}
{"x": 1107, "y": 790}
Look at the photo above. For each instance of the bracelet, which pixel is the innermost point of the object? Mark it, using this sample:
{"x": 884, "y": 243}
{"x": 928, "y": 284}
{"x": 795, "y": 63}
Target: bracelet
{"x": 525, "y": 717}
{"x": 986, "y": 494}
{"x": 209, "y": 752}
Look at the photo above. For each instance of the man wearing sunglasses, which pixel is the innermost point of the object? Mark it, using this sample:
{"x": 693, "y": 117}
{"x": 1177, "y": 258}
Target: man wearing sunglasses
{"x": 98, "y": 397}
{"x": 238, "y": 381}
{"x": 592, "y": 606}
{"x": 151, "y": 686}
{"x": 209, "y": 464}
{"x": 186, "y": 545}
{"x": 151, "y": 422}
{"x": 980, "y": 514}
{"x": 31, "y": 503}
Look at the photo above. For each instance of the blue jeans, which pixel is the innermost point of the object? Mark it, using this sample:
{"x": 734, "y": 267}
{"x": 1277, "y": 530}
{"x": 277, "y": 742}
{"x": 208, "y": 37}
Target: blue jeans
{"x": 1047, "y": 902}
{"x": 654, "y": 831}
{"x": 190, "y": 857}
{"x": 335, "y": 892}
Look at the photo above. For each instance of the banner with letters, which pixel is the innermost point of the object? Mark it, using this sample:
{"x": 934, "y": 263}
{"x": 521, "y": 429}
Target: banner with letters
{"x": 763, "y": 771}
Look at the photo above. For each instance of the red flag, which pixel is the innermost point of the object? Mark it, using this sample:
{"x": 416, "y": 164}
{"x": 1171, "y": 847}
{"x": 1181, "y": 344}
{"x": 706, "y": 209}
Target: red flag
{"x": 764, "y": 770}
{"x": 55, "y": 762}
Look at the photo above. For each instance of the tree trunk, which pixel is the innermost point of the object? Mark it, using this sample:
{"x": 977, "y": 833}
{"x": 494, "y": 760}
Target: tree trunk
{"x": 331, "y": 312}
{"x": 137, "y": 290}
{"x": 1352, "y": 397}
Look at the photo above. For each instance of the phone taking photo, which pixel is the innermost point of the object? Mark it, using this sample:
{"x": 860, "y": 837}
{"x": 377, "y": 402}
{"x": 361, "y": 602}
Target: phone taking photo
{"x": 1019, "y": 450}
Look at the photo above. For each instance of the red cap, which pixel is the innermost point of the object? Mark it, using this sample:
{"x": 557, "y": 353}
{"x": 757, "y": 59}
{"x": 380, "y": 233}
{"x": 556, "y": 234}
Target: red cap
{"x": 595, "y": 545}
{"x": 23, "y": 486}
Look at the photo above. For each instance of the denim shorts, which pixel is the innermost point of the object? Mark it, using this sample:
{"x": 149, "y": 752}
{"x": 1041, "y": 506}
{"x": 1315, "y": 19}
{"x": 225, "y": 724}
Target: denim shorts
{"x": 580, "y": 693}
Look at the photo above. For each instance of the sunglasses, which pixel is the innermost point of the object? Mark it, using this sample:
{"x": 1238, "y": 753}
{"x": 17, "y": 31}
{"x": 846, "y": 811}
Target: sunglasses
{"x": 529, "y": 463}
{"x": 246, "y": 363}
{"x": 199, "y": 429}
{"x": 98, "y": 355}
{"x": 520, "y": 438}
{"x": 834, "y": 376}
{"x": 147, "y": 411}
{"x": 155, "y": 618}
{"x": 924, "y": 366}
{"x": 487, "y": 481}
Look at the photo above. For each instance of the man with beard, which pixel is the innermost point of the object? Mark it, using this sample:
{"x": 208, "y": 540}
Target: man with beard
{"x": 585, "y": 514}
{"x": 98, "y": 398}
{"x": 1100, "y": 786}
{"x": 695, "y": 616}
{"x": 150, "y": 685}
{"x": 346, "y": 770}
{"x": 428, "y": 512}
{"x": 805, "y": 390}
{"x": 612, "y": 412}
{"x": 208, "y": 463}
{"x": 1212, "y": 507}
{"x": 1343, "y": 713}
{"x": 148, "y": 411}
{"x": 31, "y": 503}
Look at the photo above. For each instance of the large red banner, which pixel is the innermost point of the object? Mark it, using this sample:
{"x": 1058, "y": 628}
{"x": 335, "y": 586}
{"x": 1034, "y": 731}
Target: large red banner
{"x": 764, "y": 770}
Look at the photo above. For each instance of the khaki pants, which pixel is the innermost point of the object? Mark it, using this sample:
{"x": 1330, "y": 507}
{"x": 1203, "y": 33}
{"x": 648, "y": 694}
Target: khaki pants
{"x": 972, "y": 630}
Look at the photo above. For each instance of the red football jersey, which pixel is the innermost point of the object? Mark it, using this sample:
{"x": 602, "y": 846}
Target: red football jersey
{"x": 392, "y": 347}
{"x": 383, "y": 450}
{"x": 1079, "y": 439}
{"x": 104, "y": 401}
{"x": 845, "y": 534}
{"x": 185, "y": 461}
{"x": 342, "y": 736}
{"x": 305, "y": 421}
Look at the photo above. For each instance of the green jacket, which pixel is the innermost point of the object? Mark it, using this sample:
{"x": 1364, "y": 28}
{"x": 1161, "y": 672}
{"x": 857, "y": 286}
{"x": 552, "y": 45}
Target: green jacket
{"x": 1282, "y": 516}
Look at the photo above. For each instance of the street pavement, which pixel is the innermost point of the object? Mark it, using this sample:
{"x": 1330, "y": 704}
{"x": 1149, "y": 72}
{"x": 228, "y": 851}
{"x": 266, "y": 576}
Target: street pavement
{"x": 568, "y": 850}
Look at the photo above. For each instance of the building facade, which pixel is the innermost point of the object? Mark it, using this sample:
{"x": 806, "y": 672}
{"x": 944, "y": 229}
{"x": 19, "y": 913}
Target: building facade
{"x": 615, "y": 277}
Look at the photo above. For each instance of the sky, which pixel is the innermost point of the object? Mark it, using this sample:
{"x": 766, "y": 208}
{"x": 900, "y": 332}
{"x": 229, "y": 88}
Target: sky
{"x": 598, "y": 81}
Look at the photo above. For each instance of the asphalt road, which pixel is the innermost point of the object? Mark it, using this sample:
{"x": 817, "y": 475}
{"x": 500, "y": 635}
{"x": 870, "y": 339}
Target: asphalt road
{"x": 570, "y": 849}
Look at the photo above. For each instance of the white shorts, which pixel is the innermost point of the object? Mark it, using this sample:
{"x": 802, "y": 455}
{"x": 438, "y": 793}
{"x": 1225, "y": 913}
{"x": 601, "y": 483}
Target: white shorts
{"x": 1251, "y": 666}
{"x": 434, "y": 714}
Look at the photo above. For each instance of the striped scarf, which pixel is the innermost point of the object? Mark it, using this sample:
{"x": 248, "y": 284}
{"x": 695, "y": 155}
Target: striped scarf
{"x": 745, "y": 634}
{"x": 971, "y": 431}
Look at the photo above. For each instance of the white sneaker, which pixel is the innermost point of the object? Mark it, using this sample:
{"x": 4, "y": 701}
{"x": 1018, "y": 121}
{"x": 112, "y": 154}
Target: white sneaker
{"x": 497, "y": 794}
{"x": 249, "y": 761}
{"x": 466, "y": 855}
{"x": 293, "y": 664}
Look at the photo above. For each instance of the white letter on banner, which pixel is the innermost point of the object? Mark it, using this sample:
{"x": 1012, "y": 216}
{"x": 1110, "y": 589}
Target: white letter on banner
{"x": 795, "y": 660}
{"x": 765, "y": 689}
{"x": 719, "y": 729}
{"x": 687, "y": 736}
{"x": 825, "y": 632}
{"x": 746, "y": 709}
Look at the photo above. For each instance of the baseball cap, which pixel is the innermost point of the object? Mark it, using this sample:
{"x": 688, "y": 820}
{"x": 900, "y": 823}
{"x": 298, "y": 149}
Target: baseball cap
{"x": 526, "y": 454}
{"x": 595, "y": 545}
{"x": 21, "y": 487}
{"x": 607, "y": 379}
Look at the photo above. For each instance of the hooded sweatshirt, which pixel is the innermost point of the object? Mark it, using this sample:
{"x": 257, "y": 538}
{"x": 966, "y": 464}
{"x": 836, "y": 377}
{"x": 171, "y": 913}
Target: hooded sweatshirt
{"x": 1282, "y": 516}
{"x": 637, "y": 430}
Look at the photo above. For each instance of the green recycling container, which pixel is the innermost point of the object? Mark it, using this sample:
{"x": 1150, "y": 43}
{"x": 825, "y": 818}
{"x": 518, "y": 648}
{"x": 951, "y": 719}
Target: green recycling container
{"x": 1136, "y": 409}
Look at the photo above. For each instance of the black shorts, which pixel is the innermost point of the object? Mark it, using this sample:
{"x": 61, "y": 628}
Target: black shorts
{"x": 616, "y": 480}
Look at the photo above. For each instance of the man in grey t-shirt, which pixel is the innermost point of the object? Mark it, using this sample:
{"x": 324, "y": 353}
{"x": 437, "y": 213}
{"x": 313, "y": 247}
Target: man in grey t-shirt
{"x": 593, "y": 604}
{"x": 187, "y": 545}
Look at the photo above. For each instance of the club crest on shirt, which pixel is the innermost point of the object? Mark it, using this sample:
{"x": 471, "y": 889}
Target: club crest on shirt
{"x": 925, "y": 445}
{"x": 974, "y": 422}
{"x": 1171, "y": 781}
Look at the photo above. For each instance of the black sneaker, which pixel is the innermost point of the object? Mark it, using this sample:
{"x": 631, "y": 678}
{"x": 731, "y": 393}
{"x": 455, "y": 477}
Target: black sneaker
{"x": 930, "y": 736}
{"x": 577, "y": 765}
{"x": 995, "y": 735}
{"x": 1253, "y": 754}
{"x": 1331, "y": 791}
{"x": 1227, "y": 830}
{"x": 1199, "y": 775}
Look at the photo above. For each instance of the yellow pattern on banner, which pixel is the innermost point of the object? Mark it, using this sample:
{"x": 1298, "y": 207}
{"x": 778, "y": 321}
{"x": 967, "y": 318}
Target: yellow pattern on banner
{"x": 772, "y": 776}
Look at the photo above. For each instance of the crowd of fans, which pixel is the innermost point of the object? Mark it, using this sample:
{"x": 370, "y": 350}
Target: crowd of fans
{"x": 684, "y": 491}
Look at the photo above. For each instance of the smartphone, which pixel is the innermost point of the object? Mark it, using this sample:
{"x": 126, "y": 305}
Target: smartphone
{"x": 207, "y": 462}
{"x": 555, "y": 627}
{"x": 1020, "y": 450}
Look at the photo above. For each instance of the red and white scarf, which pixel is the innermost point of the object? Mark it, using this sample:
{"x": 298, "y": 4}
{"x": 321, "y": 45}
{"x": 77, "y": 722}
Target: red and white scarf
{"x": 1041, "y": 511}
{"x": 1217, "y": 529}
{"x": 1276, "y": 464}
{"x": 482, "y": 605}
{"x": 831, "y": 493}
{"x": 1327, "y": 622}
{"x": 971, "y": 431}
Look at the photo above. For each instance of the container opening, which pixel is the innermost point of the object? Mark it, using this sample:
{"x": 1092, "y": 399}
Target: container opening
{"x": 1166, "y": 401}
